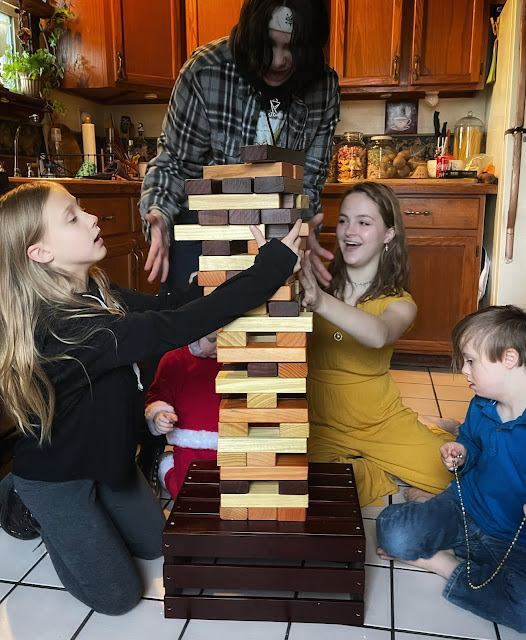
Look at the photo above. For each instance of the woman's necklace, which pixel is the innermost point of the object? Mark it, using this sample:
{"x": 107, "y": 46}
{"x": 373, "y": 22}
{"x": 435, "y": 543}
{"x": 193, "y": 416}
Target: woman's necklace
{"x": 468, "y": 563}
{"x": 358, "y": 284}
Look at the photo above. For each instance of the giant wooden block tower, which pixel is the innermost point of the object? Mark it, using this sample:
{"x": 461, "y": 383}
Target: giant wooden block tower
{"x": 263, "y": 416}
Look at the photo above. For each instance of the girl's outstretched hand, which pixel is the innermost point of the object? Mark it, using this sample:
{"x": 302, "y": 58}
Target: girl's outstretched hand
{"x": 318, "y": 252}
{"x": 453, "y": 455}
{"x": 292, "y": 240}
{"x": 312, "y": 293}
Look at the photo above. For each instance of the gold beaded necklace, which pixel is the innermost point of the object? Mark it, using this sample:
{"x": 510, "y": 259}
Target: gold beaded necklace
{"x": 468, "y": 563}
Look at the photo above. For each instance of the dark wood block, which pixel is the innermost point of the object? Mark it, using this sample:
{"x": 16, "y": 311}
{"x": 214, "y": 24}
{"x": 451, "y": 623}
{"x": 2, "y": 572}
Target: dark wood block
{"x": 277, "y": 184}
{"x": 288, "y": 201}
{"x": 213, "y": 217}
{"x": 271, "y": 153}
{"x": 216, "y": 248}
{"x": 238, "y": 246}
{"x": 243, "y": 216}
{"x": 237, "y": 185}
{"x": 202, "y": 187}
{"x": 231, "y": 274}
{"x": 278, "y": 231}
{"x": 288, "y": 308}
{"x": 293, "y": 487}
{"x": 262, "y": 369}
{"x": 234, "y": 486}
{"x": 280, "y": 216}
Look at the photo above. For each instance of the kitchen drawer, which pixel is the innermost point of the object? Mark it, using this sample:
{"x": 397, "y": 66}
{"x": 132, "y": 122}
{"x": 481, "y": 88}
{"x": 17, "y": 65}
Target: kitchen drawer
{"x": 439, "y": 213}
{"x": 114, "y": 214}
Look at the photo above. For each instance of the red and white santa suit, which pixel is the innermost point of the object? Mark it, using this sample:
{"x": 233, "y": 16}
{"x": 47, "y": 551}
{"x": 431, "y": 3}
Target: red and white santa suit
{"x": 185, "y": 385}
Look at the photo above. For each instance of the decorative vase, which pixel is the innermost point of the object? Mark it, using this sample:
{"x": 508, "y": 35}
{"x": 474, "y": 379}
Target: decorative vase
{"x": 30, "y": 87}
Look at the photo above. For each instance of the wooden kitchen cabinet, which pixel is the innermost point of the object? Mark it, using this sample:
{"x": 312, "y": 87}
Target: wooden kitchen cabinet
{"x": 408, "y": 46}
{"x": 207, "y": 20}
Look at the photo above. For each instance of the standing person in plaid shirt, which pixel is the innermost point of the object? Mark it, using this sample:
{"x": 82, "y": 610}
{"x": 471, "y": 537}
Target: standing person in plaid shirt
{"x": 266, "y": 84}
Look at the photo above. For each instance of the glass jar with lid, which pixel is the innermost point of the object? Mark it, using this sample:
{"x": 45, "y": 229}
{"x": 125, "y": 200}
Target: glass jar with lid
{"x": 468, "y": 137}
{"x": 380, "y": 156}
{"x": 352, "y": 157}
{"x": 332, "y": 175}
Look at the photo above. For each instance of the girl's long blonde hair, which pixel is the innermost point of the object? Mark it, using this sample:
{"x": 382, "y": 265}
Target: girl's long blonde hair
{"x": 392, "y": 276}
{"x": 27, "y": 288}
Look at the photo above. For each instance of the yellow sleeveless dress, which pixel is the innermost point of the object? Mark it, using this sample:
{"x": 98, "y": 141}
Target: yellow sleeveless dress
{"x": 356, "y": 414}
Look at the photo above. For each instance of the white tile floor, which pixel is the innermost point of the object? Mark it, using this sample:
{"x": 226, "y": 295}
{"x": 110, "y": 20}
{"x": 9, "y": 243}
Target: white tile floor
{"x": 401, "y": 603}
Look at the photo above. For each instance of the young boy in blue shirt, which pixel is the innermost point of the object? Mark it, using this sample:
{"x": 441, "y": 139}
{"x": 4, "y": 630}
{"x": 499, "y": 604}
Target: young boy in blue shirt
{"x": 487, "y": 506}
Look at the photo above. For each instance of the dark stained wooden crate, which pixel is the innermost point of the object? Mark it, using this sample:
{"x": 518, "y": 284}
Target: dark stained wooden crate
{"x": 204, "y": 552}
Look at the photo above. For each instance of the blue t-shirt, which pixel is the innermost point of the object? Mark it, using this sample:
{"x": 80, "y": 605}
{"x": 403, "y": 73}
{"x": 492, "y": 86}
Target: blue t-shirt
{"x": 493, "y": 479}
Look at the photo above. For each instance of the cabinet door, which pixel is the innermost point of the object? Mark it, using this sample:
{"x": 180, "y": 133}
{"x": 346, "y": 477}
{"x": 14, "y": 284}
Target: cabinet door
{"x": 122, "y": 261}
{"x": 148, "y": 42}
{"x": 365, "y": 41}
{"x": 448, "y": 40}
{"x": 207, "y": 20}
{"x": 443, "y": 277}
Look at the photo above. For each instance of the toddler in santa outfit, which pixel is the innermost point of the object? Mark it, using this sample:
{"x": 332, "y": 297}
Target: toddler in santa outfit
{"x": 182, "y": 404}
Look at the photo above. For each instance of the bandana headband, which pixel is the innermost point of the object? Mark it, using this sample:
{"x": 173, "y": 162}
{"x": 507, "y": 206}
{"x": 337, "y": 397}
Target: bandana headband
{"x": 281, "y": 20}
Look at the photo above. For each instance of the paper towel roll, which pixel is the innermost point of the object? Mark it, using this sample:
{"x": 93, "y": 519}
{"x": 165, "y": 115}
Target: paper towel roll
{"x": 88, "y": 140}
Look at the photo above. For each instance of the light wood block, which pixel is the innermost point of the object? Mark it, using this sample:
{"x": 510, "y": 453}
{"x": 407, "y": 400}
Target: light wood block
{"x": 263, "y": 494}
{"x": 221, "y": 232}
{"x": 302, "y": 323}
{"x": 257, "y": 311}
{"x": 261, "y": 352}
{"x": 211, "y": 278}
{"x": 294, "y": 430}
{"x": 262, "y": 513}
{"x": 222, "y": 263}
{"x": 288, "y": 466}
{"x": 291, "y": 339}
{"x": 233, "y": 429}
{"x": 302, "y": 201}
{"x": 286, "y": 292}
{"x": 292, "y": 370}
{"x": 233, "y": 513}
{"x": 227, "y": 459}
{"x": 304, "y": 230}
{"x": 262, "y": 400}
{"x": 235, "y": 201}
{"x": 235, "y": 410}
{"x": 252, "y": 248}
{"x": 249, "y": 170}
{"x": 261, "y": 459}
{"x": 240, "y": 382}
{"x": 231, "y": 339}
{"x": 262, "y": 439}
{"x": 291, "y": 515}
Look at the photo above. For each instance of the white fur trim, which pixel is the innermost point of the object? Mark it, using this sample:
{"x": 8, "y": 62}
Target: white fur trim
{"x": 193, "y": 439}
{"x": 166, "y": 462}
{"x": 281, "y": 20}
{"x": 152, "y": 410}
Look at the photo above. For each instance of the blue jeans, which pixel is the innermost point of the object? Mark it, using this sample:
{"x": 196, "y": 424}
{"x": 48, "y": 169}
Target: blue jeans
{"x": 420, "y": 529}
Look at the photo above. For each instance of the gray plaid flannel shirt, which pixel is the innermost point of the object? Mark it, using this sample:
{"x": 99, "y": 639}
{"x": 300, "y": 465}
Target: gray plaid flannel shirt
{"x": 213, "y": 111}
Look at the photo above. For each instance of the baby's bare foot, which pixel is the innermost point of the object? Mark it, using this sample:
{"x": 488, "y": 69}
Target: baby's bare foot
{"x": 382, "y": 555}
{"x": 446, "y": 424}
{"x": 412, "y": 494}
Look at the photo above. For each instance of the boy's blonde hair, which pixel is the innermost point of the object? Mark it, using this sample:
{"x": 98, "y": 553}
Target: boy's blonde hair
{"x": 393, "y": 270}
{"x": 491, "y": 331}
{"x": 27, "y": 289}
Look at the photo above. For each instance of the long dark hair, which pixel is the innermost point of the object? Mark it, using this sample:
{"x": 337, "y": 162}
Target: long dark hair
{"x": 252, "y": 48}
{"x": 393, "y": 270}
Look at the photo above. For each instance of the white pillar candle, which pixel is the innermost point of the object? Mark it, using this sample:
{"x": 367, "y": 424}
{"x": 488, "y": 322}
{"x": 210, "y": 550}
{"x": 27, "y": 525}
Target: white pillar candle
{"x": 89, "y": 144}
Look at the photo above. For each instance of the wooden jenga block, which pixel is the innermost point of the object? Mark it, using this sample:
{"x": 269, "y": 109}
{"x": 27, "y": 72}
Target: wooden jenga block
{"x": 243, "y": 216}
{"x": 288, "y": 308}
{"x": 302, "y": 201}
{"x": 291, "y": 339}
{"x": 240, "y": 382}
{"x": 237, "y": 486}
{"x": 262, "y": 439}
{"x": 222, "y": 263}
{"x": 292, "y": 370}
{"x": 286, "y": 466}
{"x": 277, "y": 231}
{"x": 252, "y": 247}
{"x": 211, "y": 278}
{"x": 262, "y": 400}
{"x": 261, "y": 459}
{"x": 233, "y": 513}
{"x": 262, "y": 369}
{"x": 235, "y": 201}
{"x": 268, "y": 324}
{"x": 208, "y": 290}
{"x": 226, "y": 459}
{"x": 286, "y": 292}
{"x": 280, "y": 216}
{"x": 249, "y": 170}
{"x": 261, "y": 352}
{"x": 288, "y": 201}
{"x": 231, "y": 339}
{"x": 288, "y": 487}
{"x": 287, "y": 514}
{"x": 233, "y": 429}
{"x": 263, "y": 494}
{"x": 215, "y": 248}
{"x": 277, "y": 184}
{"x": 257, "y": 311}
{"x": 305, "y": 230}
{"x": 213, "y": 217}
{"x": 231, "y": 273}
{"x": 297, "y": 172}
{"x": 293, "y": 430}
{"x": 271, "y": 153}
{"x": 237, "y": 185}
{"x": 218, "y": 232}
{"x": 235, "y": 410}
{"x": 201, "y": 187}
{"x": 262, "y": 513}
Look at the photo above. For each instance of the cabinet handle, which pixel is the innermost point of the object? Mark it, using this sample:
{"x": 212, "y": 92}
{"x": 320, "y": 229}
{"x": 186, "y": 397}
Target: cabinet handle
{"x": 120, "y": 66}
{"x": 417, "y": 213}
{"x": 396, "y": 63}
{"x": 137, "y": 261}
{"x": 416, "y": 68}
{"x": 107, "y": 218}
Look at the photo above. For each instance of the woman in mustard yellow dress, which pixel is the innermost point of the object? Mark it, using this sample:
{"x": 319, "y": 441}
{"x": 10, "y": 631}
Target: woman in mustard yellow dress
{"x": 355, "y": 409}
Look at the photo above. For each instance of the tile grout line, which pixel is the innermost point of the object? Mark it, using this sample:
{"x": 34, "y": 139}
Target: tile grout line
{"x": 435, "y": 394}
{"x": 183, "y": 630}
{"x": 82, "y": 625}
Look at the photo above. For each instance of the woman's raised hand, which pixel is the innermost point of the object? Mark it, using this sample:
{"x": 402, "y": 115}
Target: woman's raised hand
{"x": 318, "y": 253}
{"x": 292, "y": 240}
{"x": 312, "y": 293}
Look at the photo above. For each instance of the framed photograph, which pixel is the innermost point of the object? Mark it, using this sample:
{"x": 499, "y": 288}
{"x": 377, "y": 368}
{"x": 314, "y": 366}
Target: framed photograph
{"x": 401, "y": 116}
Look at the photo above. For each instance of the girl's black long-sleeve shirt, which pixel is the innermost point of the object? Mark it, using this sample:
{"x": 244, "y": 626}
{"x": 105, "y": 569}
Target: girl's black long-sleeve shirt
{"x": 96, "y": 395}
